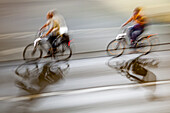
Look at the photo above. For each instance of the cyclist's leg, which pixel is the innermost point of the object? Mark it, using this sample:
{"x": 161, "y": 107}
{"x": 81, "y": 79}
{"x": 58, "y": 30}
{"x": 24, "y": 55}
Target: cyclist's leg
{"x": 51, "y": 39}
{"x": 130, "y": 31}
{"x": 137, "y": 31}
{"x": 136, "y": 34}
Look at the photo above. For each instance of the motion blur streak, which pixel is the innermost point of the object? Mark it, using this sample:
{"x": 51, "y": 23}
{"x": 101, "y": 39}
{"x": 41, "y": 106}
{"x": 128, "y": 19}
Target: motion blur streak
{"x": 80, "y": 91}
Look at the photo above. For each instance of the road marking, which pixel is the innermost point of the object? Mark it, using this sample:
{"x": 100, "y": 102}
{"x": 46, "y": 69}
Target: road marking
{"x": 80, "y": 91}
{"x": 17, "y": 37}
{"x": 11, "y": 51}
{"x": 25, "y": 36}
{"x": 14, "y": 34}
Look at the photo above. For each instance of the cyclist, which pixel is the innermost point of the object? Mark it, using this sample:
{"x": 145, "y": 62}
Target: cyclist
{"x": 139, "y": 27}
{"x": 53, "y": 30}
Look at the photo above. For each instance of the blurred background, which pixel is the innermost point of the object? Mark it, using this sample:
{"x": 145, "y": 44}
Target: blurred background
{"x": 86, "y": 83}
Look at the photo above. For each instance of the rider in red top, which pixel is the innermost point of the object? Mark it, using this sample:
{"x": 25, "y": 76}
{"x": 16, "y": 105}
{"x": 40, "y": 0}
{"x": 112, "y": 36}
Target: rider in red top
{"x": 140, "y": 24}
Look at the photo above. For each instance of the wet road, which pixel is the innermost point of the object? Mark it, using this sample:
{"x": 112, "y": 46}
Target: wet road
{"x": 88, "y": 85}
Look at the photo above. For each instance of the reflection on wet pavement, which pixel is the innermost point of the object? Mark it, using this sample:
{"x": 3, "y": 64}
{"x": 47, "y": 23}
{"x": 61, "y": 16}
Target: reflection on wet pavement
{"x": 137, "y": 70}
{"x": 34, "y": 77}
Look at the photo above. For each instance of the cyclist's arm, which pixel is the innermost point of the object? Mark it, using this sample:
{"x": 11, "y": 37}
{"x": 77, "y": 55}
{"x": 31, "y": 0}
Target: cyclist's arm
{"x": 127, "y": 21}
{"x": 45, "y": 25}
{"x": 52, "y": 30}
{"x": 48, "y": 32}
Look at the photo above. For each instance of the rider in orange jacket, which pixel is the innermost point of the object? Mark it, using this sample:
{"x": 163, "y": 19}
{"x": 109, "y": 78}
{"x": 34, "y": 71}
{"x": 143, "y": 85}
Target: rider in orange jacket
{"x": 140, "y": 24}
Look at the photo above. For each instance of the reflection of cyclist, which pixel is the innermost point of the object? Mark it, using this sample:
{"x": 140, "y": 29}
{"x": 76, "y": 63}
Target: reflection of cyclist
{"x": 138, "y": 28}
{"x": 136, "y": 69}
{"x": 36, "y": 79}
{"x": 53, "y": 26}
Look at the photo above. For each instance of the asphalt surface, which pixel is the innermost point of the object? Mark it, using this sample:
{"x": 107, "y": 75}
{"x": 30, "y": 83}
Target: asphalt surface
{"x": 67, "y": 93}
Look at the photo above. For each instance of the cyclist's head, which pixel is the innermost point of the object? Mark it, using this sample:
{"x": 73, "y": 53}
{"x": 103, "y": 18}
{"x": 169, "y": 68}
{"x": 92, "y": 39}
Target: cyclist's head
{"x": 49, "y": 15}
{"x": 54, "y": 11}
{"x": 137, "y": 10}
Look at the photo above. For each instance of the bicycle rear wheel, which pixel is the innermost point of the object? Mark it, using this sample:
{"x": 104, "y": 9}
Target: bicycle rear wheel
{"x": 63, "y": 52}
{"x": 155, "y": 42}
{"x": 30, "y": 53}
{"x": 115, "y": 48}
{"x": 144, "y": 45}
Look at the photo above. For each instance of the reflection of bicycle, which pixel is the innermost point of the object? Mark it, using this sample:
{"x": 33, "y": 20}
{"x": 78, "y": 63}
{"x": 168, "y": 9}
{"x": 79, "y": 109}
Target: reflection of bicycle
{"x": 33, "y": 77}
{"x": 117, "y": 46}
{"x": 135, "y": 69}
{"x": 35, "y": 50}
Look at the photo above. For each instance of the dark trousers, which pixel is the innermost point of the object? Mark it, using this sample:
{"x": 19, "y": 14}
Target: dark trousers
{"x": 51, "y": 40}
{"x": 136, "y": 31}
{"x": 64, "y": 39}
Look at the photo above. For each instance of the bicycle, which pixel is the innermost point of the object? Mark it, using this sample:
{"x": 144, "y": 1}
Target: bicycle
{"x": 34, "y": 51}
{"x": 117, "y": 46}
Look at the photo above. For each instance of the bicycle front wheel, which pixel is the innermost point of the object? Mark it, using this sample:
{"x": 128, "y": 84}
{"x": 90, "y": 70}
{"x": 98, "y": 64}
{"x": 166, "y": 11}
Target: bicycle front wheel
{"x": 30, "y": 53}
{"x": 115, "y": 48}
{"x": 144, "y": 45}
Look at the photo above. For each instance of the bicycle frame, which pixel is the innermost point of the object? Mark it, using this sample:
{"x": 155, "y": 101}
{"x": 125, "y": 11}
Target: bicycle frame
{"x": 151, "y": 35}
{"x": 121, "y": 37}
{"x": 38, "y": 41}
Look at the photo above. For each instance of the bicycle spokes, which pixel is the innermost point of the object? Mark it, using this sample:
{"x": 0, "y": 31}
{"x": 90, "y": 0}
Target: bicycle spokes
{"x": 144, "y": 45}
{"x": 115, "y": 48}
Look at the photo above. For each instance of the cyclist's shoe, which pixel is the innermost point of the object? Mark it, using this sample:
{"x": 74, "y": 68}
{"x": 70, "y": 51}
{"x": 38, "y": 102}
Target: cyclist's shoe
{"x": 54, "y": 50}
{"x": 141, "y": 45}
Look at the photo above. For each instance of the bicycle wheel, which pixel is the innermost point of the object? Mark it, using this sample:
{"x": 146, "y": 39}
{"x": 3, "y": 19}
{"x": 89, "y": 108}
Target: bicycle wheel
{"x": 115, "y": 48}
{"x": 63, "y": 52}
{"x": 143, "y": 45}
{"x": 155, "y": 42}
{"x": 27, "y": 69}
{"x": 30, "y": 54}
